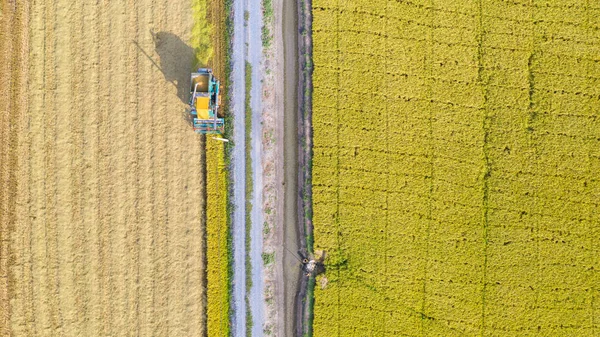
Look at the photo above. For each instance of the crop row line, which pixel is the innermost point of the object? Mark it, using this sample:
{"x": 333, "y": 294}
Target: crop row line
{"x": 530, "y": 4}
{"x": 386, "y": 112}
{"x": 504, "y": 174}
{"x": 397, "y": 154}
{"x": 337, "y": 190}
{"x": 465, "y": 28}
{"x": 498, "y": 67}
{"x": 453, "y": 44}
{"x": 466, "y": 106}
{"x": 475, "y": 15}
{"x": 454, "y": 203}
{"x": 501, "y": 148}
{"x": 472, "y": 16}
{"x": 553, "y": 232}
{"x": 423, "y": 176}
{"x": 594, "y": 95}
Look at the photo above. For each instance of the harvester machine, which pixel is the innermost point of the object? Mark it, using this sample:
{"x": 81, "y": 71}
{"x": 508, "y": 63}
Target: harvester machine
{"x": 204, "y": 103}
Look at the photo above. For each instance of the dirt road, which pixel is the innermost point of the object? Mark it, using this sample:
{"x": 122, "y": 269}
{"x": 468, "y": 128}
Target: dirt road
{"x": 108, "y": 235}
{"x": 254, "y": 57}
{"x": 247, "y": 48}
{"x": 238, "y": 170}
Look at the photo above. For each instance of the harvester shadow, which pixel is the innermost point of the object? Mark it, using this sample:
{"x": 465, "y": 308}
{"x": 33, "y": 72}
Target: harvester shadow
{"x": 176, "y": 59}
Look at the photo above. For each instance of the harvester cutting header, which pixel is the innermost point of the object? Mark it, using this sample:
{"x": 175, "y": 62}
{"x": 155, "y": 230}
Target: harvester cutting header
{"x": 204, "y": 103}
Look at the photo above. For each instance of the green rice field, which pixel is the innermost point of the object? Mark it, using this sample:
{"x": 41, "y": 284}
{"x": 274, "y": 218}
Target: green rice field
{"x": 456, "y": 167}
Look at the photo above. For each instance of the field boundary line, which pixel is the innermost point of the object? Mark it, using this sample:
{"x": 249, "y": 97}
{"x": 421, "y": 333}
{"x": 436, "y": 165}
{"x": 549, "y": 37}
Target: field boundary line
{"x": 483, "y": 82}
{"x": 427, "y": 64}
{"x": 337, "y": 170}
{"x": 592, "y": 229}
{"x": 387, "y": 149}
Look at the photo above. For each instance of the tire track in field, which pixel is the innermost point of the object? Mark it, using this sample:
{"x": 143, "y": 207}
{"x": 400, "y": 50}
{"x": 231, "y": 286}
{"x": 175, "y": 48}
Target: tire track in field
{"x": 17, "y": 267}
{"x": 114, "y": 97}
{"x": 58, "y": 238}
{"x": 190, "y": 191}
{"x": 86, "y": 97}
{"x": 6, "y": 112}
{"x": 161, "y": 178}
{"x": 122, "y": 108}
{"x": 6, "y": 53}
{"x": 135, "y": 178}
{"x": 125, "y": 161}
{"x": 179, "y": 227}
{"x": 92, "y": 91}
{"x": 45, "y": 170}
{"x": 145, "y": 156}
{"x": 150, "y": 114}
{"x": 171, "y": 200}
{"x": 68, "y": 194}
{"x": 164, "y": 276}
{"x": 94, "y": 163}
{"x": 188, "y": 232}
{"x": 176, "y": 225}
{"x": 28, "y": 320}
{"x": 123, "y": 67}
{"x": 6, "y": 79}
{"x": 133, "y": 128}
{"x": 74, "y": 299}
{"x": 13, "y": 102}
{"x": 181, "y": 144}
{"x": 147, "y": 270}
{"x": 22, "y": 317}
{"x": 51, "y": 153}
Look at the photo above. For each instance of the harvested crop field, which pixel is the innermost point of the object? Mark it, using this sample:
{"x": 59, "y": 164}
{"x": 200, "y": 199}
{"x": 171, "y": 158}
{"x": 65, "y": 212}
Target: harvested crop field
{"x": 105, "y": 231}
{"x": 455, "y": 171}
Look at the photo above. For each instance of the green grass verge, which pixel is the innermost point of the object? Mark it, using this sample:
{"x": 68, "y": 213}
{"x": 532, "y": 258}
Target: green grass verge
{"x": 267, "y": 37}
{"x": 249, "y": 190}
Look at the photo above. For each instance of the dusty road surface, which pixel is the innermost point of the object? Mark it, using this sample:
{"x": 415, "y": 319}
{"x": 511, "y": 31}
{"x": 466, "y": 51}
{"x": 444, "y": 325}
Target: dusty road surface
{"x": 238, "y": 161}
{"x": 107, "y": 234}
{"x": 254, "y": 57}
{"x": 247, "y": 49}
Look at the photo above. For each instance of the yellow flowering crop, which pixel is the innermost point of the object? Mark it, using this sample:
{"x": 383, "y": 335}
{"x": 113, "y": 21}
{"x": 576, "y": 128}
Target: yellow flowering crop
{"x": 216, "y": 232}
{"x": 456, "y": 168}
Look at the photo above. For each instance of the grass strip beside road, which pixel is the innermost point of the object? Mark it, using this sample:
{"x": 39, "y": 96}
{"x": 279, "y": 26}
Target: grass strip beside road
{"x": 249, "y": 190}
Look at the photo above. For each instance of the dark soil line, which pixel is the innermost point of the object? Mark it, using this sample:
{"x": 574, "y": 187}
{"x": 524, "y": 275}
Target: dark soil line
{"x": 304, "y": 298}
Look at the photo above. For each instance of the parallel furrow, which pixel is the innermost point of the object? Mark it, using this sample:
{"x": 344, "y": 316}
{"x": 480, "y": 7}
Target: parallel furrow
{"x": 135, "y": 177}
{"x": 80, "y": 84}
{"x": 89, "y": 170}
{"x": 161, "y": 178}
{"x": 147, "y": 268}
{"x": 111, "y": 58}
{"x": 60, "y": 176}
{"x": 6, "y": 75}
{"x": 44, "y": 173}
{"x": 22, "y": 322}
